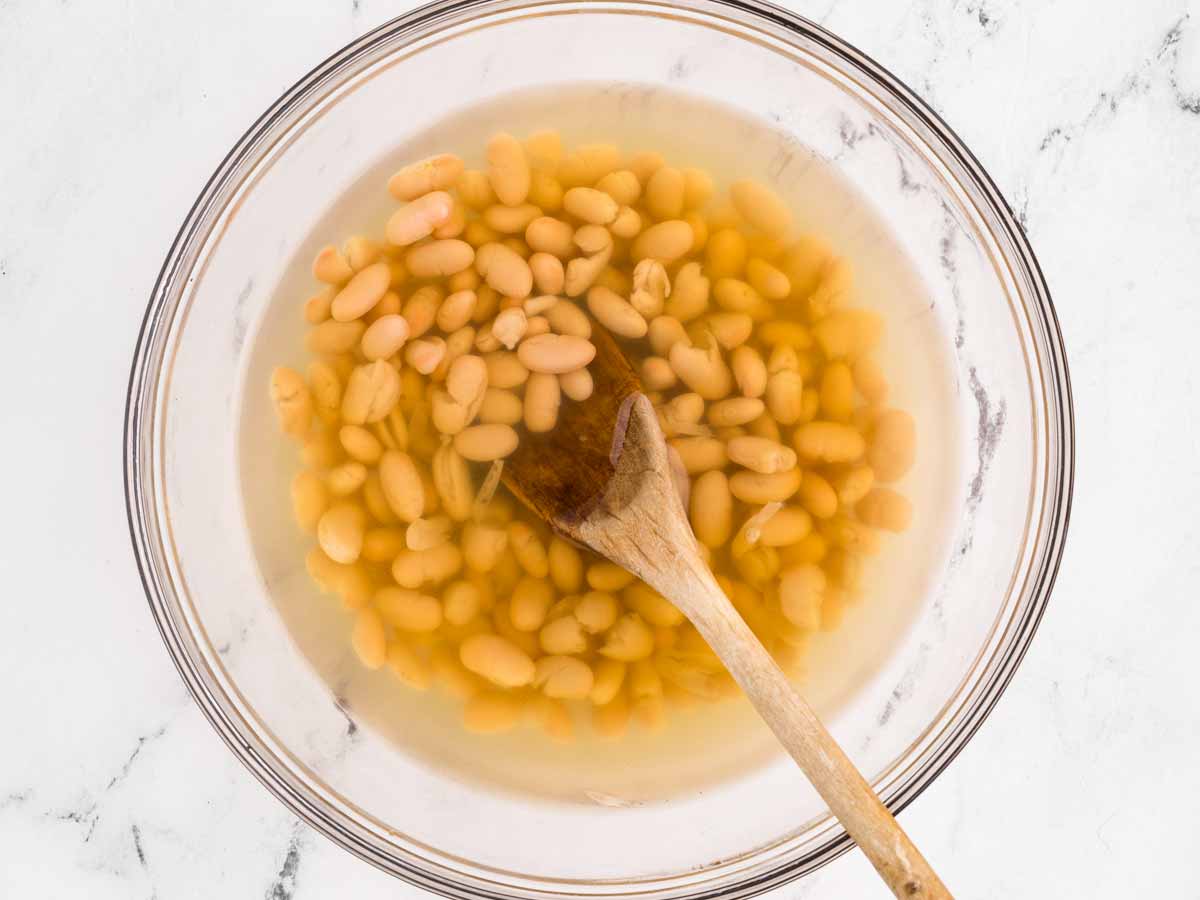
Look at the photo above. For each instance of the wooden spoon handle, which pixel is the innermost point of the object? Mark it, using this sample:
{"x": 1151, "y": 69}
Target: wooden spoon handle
{"x": 836, "y": 779}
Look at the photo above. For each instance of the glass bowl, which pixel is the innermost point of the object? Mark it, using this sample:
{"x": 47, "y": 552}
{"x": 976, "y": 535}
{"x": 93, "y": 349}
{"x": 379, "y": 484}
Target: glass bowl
{"x": 202, "y": 461}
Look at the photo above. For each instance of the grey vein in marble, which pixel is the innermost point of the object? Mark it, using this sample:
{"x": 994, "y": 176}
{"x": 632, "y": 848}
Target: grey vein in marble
{"x": 283, "y": 887}
{"x": 1162, "y": 64}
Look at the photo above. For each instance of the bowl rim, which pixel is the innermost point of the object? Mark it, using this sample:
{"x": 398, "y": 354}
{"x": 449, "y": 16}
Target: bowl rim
{"x": 1056, "y": 504}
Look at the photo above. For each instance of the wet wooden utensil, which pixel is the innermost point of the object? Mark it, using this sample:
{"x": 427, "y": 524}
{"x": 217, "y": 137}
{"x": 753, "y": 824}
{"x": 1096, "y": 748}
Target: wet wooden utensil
{"x": 603, "y": 478}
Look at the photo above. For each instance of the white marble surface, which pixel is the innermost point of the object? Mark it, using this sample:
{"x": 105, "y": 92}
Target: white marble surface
{"x": 1082, "y": 782}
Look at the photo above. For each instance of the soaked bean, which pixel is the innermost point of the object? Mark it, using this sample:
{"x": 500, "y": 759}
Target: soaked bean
{"x": 884, "y": 508}
{"x": 331, "y": 267}
{"x": 689, "y": 293}
{"x": 582, "y": 272}
{"x": 506, "y": 370}
{"x": 362, "y": 292}
{"x": 657, "y": 374}
{"x": 702, "y": 370}
{"x": 438, "y": 259}
{"x": 568, "y": 319}
{"x": 421, "y": 309}
{"x": 785, "y": 395}
{"x": 830, "y": 442}
{"x": 564, "y": 677}
{"x": 346, "y": 478}
{"x": 370, "y": 394}
{"x": 369, "y": 639}
{"x": 483, "y": 545}
{"x": 411, "y": 669}
{"x": 549, "y": 276}
{"x": 527, "y": 547}
{"x": 734, "y": 411}
{"x": 622, "y": 185}
{"x": 664, "y": 193}
{"x": 504, "y": 270}
{"x": 426, "y": 354}
{"x": 627, "y": 224}
{"x": 418, "y": 219}
{"x": 651, "y": 605}
{"x": 629, "y": 640}
{"x": 666, "y": 242}
{"x": 401, "y": 483}
{"x": 593, "y": 239}
{"x": 474, "y": 190}
{"x": 893, "y": 445}
{"x": 510, "y": 326}
{"x": 500, "y": 407}
{"x": 310, "y": 499}
{"x": 552, "y": 236}
{"x": 749, "y": 371}
{"x": 596, "y": 612}
{"x": 609, "y": 676}
{"x": 545, "y": 191}
{"x": 485, "y": 443}
{"x": 588, "y": 164}
{"x": 730, "y": 329}
{"x": 564, "y": 566}
{"x": 508, "y": 169}
{"x": 563, "y": 636}
{"x": 848, "y": 333}
{"x": 409, "y": 610}
{"x": 801, "y": 591}
{"x": 319, "y": 306}
{"x": 340, "y": 531}
{"x": 761, "y": 455}
{"x": 292, "y": 400}
{"x": 543, "y": 396}
{"x": 382, "y": 545}
{"x": 697, "y": 188}
{"x": 608, "y": 577}
{"x": 725, "y": 254}
{"x": 788, "y": 526}
{"x": 712, "y": 509}
{"x": 837, "y": 392}
{"x": 590, "y": 205}
{"x": 531, "y": 600}
{"x": 615, "y": 313}
{"x": 436, "y": 173}
{"x": 511, "y": 219}
{"x": 384, "y": 337}
{"x": 555, "y": 353}
{"x": 577, "y": 385}
{"x": 544, "y": 148}
{"x": 761, "y": 207}
{"x": 768, "y": 281}
{"x": 735, "y": 296}
{"x": 497, "y": 659}
{"x": 758, "y": 488}
{"x": 414, "y": 568}
{"x": 456, "y": 310}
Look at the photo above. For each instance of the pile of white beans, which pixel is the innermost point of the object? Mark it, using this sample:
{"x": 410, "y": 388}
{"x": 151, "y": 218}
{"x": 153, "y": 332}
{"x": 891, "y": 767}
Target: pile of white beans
{"x": 470, "y": 321}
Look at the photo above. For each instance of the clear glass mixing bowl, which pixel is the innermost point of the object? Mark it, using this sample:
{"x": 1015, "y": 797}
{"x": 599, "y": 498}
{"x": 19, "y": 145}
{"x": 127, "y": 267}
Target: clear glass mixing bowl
{"x": 198, "y": 379}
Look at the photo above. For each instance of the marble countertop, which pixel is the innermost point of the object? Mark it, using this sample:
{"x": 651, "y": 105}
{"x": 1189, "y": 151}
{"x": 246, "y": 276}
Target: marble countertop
{"x": 112, "y": 785}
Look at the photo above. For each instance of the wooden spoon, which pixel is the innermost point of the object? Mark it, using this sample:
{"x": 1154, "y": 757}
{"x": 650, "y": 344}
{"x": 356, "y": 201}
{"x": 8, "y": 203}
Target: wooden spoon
{"x": 603, "y": 478}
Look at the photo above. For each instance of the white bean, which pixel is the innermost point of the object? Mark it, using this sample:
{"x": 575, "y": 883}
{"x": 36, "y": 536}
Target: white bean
{"x": 543, "y": 396}
{"x": 555, "y": 353}
{"x": 508, "y": 169}
{"x": 577, "y": 385}
{"x": 615, "y": 313}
